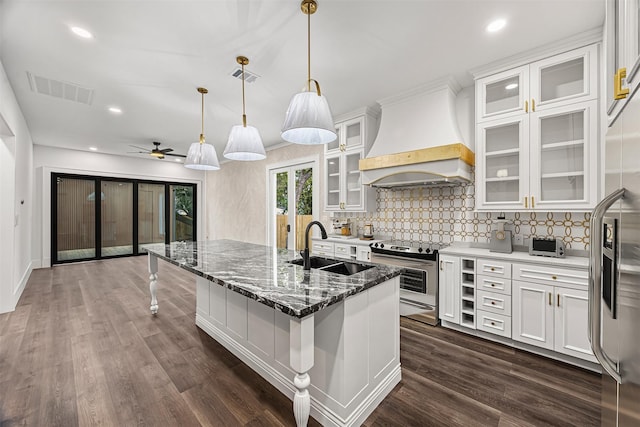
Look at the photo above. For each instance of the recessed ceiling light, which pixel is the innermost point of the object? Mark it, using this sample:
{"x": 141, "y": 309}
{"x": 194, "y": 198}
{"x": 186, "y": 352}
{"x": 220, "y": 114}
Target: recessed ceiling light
{"x": 178, "y": 160}
{"x": 81, "y": 32}
{"x": 496, "y": 25}
{"x": 93, "y": 148}
{"x": 511, "y": 86}
{"x": 115, "y": 110}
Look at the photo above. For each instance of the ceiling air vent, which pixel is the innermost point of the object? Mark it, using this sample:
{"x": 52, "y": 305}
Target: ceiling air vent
{"x": 248, "y": 75}
{"x": 59, "y": 89}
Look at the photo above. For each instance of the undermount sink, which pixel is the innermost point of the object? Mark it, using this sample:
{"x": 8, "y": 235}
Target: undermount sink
{"x": 334, "y": 266}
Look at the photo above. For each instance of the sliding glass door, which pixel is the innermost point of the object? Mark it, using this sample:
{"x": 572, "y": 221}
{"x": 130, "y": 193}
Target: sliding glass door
{"x": 124, "y": 215}
{"x": 75, "y": 210}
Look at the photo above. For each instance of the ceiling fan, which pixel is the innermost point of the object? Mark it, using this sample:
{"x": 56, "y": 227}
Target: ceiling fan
{"x": 156, "y": 151}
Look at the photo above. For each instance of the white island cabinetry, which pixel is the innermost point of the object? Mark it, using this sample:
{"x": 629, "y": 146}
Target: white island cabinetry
{"x": 329, "y": 341}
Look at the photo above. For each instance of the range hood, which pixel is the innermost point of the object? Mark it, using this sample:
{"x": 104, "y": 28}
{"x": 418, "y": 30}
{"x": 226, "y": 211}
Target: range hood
{"x": 419, "y": 143}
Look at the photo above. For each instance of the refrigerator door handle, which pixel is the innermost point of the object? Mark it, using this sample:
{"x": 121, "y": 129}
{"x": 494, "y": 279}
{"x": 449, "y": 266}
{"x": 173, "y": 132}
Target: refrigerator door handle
{"x": 595, "y": 283}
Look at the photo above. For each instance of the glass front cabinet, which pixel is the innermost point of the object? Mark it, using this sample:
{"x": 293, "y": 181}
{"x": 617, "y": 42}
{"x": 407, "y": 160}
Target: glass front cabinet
{"x": 622, "y": 38}
{"x": 542, "y": 155}
{"x": 343, "y": 180}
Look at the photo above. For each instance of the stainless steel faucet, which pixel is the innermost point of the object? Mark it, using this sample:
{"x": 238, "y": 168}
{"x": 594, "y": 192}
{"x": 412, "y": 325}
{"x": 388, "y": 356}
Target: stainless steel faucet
{"x": 305, "y": 254}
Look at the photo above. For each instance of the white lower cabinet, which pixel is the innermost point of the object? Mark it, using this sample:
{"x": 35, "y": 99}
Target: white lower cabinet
{"x": 545, "y": 306}
{"x": 552, "y": 317}
{"x": 449, "y": 289}
{"x": 321, "y": 248}
{"x": 354, "y": 250}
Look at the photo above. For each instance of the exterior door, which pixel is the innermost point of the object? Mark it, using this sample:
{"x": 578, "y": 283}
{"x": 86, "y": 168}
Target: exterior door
{"x": 74, "y": 225}
{"x": 293, "y": 204}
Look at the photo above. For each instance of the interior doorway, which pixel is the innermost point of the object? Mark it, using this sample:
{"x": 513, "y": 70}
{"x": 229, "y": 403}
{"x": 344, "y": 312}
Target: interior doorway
{"x": 102, "y": 217}
{"x": 293, "y": 203}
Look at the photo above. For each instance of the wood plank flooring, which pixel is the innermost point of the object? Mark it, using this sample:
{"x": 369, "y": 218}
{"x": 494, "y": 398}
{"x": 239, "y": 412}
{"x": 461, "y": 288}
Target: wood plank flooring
{"x": 82, "y": 349}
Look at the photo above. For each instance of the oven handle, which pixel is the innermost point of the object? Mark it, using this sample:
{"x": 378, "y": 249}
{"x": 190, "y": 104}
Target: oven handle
{"x": 402, "y": 262}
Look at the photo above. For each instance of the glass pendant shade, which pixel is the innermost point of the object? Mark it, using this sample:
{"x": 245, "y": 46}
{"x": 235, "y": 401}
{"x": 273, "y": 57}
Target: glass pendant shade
{"x": 308, "y": 120}
{"x": 244, "y": 144}
{"x": 202, "y": 156}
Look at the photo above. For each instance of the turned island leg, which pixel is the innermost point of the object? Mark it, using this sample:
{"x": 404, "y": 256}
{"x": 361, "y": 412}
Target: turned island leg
{"x": 301, "y": 359}
{"x": 153, "y": 284}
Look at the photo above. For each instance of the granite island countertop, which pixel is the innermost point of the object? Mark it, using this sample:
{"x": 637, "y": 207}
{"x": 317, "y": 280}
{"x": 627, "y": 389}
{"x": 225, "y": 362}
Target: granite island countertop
{"x": 264, "y": 274}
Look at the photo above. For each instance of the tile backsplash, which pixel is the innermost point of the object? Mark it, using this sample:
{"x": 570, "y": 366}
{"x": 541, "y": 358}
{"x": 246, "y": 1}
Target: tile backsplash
{"x": 445, "y": 215}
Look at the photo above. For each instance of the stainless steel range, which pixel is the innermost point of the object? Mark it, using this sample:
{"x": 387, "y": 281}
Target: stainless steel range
{"x": 419, "y": 281}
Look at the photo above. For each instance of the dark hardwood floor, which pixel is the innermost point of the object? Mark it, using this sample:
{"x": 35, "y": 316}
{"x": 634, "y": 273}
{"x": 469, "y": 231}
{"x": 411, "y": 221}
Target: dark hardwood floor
{"x": 81, "y": 348}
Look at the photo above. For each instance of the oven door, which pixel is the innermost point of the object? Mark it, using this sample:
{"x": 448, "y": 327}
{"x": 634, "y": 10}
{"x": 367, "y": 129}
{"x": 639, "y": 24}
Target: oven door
{"x": 418, "y": 287}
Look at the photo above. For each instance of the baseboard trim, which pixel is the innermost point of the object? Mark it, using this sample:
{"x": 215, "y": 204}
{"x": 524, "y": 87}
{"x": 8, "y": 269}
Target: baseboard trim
{"x": 17, "y": 293}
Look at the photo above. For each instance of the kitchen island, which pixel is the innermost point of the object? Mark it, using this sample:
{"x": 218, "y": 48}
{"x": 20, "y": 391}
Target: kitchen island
{"x": 331, "y": 341}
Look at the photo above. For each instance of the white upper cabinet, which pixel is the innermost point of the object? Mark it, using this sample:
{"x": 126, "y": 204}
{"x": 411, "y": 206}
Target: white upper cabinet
{"x": 343, "y": 180}
{"x": 536, "y": 134}
{"x": 623, "y": 53}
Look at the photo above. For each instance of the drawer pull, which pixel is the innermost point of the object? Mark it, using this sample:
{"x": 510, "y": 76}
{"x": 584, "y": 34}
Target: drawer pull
{"x": 493, "y": 269}
{"x": 493, "y": 285}
{"x": 493, "y": 323}
{"x": 554, "y": 277}
{"x": 494, "y": 303}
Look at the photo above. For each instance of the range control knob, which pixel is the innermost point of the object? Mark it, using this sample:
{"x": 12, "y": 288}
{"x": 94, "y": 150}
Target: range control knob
{"x": 428, "y": 250}
{"x": 376, "y": 245}
{"x": 381, "y": 245}
{"x": 420, "y": 250}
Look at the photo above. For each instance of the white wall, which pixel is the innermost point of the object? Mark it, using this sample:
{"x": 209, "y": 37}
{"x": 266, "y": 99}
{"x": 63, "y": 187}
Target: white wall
{"x": 237, "y": 194}
{"x": 16, "y": 197}
{"x": 49, "y": 159}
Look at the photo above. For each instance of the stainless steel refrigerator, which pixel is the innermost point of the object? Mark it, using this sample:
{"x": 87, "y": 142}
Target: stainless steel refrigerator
{"x": 614, "y": 289}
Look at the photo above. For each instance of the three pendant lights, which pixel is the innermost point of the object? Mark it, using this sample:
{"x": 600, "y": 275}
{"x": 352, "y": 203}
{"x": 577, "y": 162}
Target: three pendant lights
{"x": 308, "y": 119}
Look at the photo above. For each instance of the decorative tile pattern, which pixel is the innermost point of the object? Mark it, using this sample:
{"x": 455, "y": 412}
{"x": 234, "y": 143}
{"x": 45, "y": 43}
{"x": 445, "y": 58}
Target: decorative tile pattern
{"x": 445, "y": 215}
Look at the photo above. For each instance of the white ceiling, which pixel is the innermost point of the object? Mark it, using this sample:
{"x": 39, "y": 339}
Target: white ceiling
{"x": 148, "y": 58}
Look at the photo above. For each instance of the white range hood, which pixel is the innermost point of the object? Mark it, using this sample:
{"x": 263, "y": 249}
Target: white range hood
{"x": 419, "y": 142}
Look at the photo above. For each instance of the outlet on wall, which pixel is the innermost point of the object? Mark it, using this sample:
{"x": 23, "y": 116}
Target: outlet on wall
{"x": 517, "y": 239}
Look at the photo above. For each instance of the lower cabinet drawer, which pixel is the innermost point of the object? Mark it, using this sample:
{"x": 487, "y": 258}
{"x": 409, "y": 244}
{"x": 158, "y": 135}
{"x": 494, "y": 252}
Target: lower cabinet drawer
{"x": 494, "y": 302}
{"x": 493, "y": 284}
{"x": 493, "y": 323}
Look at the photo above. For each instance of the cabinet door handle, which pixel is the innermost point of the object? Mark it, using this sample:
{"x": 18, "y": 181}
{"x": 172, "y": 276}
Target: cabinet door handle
{"x": 533, "y": 203}
{"x": 526, "y": 202}
{"x": 558, "y": 300}
{"x": 550, "y": 299}
{"x": 618, "y": 92}
{"x": 441, "y": 269}
{"x": 526, "y": 106}
{"x": 533, "y": 104}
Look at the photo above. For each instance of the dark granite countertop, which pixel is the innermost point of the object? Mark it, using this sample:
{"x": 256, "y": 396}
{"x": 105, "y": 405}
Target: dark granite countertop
{"x": 264, "y": 274}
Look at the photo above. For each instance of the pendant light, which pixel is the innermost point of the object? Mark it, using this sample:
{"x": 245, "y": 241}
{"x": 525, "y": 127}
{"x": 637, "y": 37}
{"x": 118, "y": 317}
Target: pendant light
{"x": 308, "y": 119}
{"x": 202, "y": 156}
{"x": 244, "y": 141}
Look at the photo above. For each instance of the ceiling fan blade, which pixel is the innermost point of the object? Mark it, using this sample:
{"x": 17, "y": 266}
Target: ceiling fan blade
{"x": 146, "y": 150}
{"x": 175, "y": 155}
{"x": 166, "y": 150}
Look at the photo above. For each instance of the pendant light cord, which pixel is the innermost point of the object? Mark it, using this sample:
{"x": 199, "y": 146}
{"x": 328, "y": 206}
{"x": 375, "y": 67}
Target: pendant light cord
{"x": 202, "y": 131}
{"x": 309, "y": 49}
{"x": 244, "y": 114}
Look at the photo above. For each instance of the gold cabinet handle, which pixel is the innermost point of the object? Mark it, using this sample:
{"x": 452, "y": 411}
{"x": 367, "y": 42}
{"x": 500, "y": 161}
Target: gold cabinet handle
{"x": 441, "y": 269}
{"x": 526, "y": 106}
{"x": 554, "y": 277}
{"x": 493, "y": 269}
{"x": 558, "y": 300}
{"x": 618, "y": 91}
{"x": 533, "y": 104}
{"x": 493, "y": 323}
{"x": 493, "y": 303}
{"x": 526, "y": 202}
{"x": 493, "y": 285}
{"x": 533, "y": 203}
{"x": 550, "y": 299}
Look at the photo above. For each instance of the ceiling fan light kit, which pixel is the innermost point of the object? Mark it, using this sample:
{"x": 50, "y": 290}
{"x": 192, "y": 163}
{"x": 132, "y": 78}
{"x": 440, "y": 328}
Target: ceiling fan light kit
{"x": 308, "y": 119}
{"x": 202, "y": 156}
{"x": 244, "y": 141}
